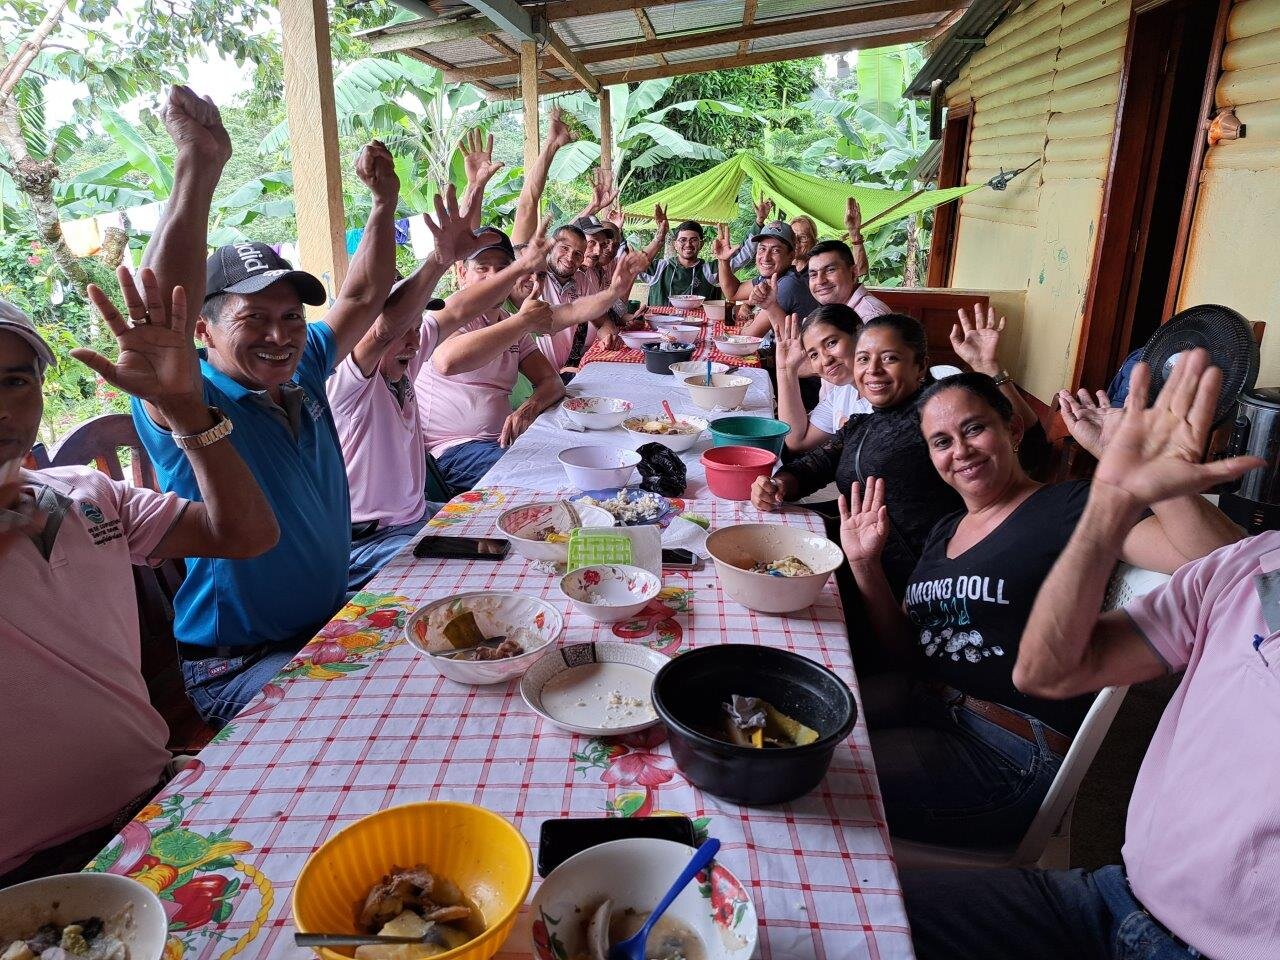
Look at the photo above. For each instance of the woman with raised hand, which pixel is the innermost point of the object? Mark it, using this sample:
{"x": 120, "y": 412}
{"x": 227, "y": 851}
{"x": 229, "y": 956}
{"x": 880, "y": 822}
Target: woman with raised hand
{"x": 825, "y": 343}
{"x": 888, "y": 365}
{"x": 962, "y": 756}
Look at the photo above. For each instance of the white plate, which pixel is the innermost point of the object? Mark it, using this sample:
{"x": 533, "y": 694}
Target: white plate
{"x": 571, "y": 687}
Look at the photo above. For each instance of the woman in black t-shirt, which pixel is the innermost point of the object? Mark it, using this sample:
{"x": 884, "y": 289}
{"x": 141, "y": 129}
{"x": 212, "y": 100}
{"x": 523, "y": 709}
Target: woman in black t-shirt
{"x": 962, "y": 756}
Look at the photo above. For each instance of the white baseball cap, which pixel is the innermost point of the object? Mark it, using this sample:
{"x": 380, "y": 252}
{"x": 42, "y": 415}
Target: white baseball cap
{"x": 13, "y": 320}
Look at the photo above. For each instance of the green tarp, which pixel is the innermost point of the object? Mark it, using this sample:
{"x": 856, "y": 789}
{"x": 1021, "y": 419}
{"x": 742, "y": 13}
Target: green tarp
{"x": 712, "y": 197}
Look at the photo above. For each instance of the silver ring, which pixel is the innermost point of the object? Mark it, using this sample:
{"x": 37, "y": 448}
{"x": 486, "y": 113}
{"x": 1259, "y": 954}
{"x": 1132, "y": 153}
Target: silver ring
{"x": 145, "y": 318}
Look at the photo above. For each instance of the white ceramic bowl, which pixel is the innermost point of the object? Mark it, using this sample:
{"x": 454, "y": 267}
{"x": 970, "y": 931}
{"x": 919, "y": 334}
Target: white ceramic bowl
{"x": 497, "y": 613}
{"x": 687, "y": 301}
{"x": 715, "y": 309}
{"x": 597, "y": 413}
{"x": 689, "y": 367}
{"x": 635, "y": 873}
{"x": 727, "y": 390}
{"x": 519, "y": 524}
{"x": 610, "y": 592}
{"x": 636, "y": 339}
{"x": 675, "y": 441}
{"x": 598, "y": 468}
{"x": 129, "y": 910}
{"x": 740, "y": 345}
{"x": 735, "y": 549}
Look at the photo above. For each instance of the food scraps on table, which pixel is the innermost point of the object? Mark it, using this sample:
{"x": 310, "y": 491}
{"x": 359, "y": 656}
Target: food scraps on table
{"x": 626, "y": 510}
{"x": 753, "y": 722}
{"x": 786, "y": 567}
{"x": 81, "y": 939}
{"x": 413, "y": 902}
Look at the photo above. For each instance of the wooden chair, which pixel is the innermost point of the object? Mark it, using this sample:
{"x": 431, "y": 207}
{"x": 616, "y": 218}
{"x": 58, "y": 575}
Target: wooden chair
{"x": 98, "y": 442}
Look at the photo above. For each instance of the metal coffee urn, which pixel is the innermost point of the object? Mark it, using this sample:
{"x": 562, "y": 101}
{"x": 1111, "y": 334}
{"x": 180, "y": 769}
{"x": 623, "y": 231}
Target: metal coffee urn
{"x": 1255, "y": 504}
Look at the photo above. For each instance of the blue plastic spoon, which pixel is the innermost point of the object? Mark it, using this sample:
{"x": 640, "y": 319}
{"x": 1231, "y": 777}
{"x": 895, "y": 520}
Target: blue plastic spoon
{"x": 633, "y": 947}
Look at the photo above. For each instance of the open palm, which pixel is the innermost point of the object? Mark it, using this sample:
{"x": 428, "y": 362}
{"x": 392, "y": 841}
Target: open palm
{"x": 157, "y": 360}
{"x": 976, "y": 339}
{"x": 1091, "y": 422}
{"x": 788, "y": 350}
{"x": 864, "y": 528}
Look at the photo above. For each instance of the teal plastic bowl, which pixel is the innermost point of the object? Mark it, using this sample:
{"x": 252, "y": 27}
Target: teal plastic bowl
{"x": 762, "y": 432}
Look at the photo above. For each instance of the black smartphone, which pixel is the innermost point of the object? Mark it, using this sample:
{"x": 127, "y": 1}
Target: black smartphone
{"x": 462, "y": 548}
{"x": 679, "y": 559}
{"x": 561, "y": 839}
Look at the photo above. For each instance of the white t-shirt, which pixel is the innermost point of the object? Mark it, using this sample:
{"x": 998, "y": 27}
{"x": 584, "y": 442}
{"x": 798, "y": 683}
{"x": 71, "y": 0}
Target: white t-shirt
{"x": 836, "y": 404}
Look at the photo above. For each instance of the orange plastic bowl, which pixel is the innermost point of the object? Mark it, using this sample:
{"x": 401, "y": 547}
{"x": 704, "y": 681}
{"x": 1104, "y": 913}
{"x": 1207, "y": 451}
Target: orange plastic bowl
{"x": 478, "y": 850}
{"x": 732, "y": 470}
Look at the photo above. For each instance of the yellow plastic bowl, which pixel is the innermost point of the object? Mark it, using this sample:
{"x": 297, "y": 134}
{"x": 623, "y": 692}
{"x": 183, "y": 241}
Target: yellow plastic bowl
{"x": 478, "y": 850}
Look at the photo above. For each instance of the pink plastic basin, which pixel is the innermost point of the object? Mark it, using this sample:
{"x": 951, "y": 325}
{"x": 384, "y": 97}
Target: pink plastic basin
{"x": 732, "y": 470}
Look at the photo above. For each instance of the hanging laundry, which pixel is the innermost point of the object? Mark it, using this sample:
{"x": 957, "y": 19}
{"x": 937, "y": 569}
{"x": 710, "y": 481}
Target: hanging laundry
{"x": 353, "y": 239}
{"x": 420, "y": 239}
{"x": 402, "y": 232}
{"x": 83, "y": 237}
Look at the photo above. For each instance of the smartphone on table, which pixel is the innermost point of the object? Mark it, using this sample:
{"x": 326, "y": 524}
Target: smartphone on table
{"x": 561, "y": 839}
{"x": 680, "y": 559}
{"x": 462, "y": 548}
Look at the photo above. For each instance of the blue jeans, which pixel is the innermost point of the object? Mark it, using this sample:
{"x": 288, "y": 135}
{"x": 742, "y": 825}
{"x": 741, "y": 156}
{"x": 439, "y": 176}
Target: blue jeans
{"x": 370, "y": 553}
{"x": 948, "y": 775}
{"x": 465, "y": 464}
{"x": 219, "y": 687}
{"x": 1045, "y": 914}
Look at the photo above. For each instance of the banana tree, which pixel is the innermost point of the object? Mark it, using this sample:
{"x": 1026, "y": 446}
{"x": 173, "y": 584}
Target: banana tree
{"x": 640, "y": 138}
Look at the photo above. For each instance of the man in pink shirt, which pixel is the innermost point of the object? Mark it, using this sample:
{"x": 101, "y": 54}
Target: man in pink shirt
{"x": 1202, "y": 847}
{"x": 81, "y": 746}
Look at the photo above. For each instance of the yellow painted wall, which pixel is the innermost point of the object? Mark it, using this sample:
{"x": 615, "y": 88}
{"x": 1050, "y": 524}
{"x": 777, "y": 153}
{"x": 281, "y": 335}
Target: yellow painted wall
{"x": 1232, "y": 258}
{"x": 1044, "y": 86}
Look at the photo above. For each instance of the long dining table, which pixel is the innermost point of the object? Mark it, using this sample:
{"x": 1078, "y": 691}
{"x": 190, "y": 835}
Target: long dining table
{"x": 359, "y": 721}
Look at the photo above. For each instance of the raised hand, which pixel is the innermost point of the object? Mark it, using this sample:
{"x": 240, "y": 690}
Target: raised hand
{"x": 626, "y": 270}
{"x": 1155, "y": 454}
{"x": 536, "y": 316}
{"x": 157, "y": 361}
{"x": 763, "y": 294}
{"x": 853, "y": 219}
{"x": 659, "y": 237}
{"x": 976, "y": 338}
{"x": 451, "y": 229}
{"x": 723, "y": 248}
{"x": 533, "y": 258}
{"x": 1092, "y": 423}
{"x": 603, "y": 193}
{"x": 763, "y": 209}
{"x": 377, "y": 171}
{"x": 195, "y": 126}
{"x": 477, "y": 158}
{"x": 864, "y": 528}
{"x": 616, "y": 217}
{"x": 558, "y": 133}
{"x": 789, "y": 354}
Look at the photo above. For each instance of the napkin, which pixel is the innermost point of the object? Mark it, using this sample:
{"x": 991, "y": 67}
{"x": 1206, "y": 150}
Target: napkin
{"x": 687, "y": 535}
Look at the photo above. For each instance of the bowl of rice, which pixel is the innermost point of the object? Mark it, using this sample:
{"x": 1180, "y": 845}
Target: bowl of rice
{"x": 772, "y": 567}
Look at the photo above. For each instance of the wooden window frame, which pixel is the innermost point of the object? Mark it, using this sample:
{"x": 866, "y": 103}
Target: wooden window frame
{"x": 946, "y": 218}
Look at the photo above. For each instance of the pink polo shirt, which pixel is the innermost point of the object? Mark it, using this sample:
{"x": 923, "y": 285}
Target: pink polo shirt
{"x": 468, "y": 406}
{"x": 557, "y": 347}
{"x": 1202, "y": 844}
{"x": 866, "y": 305}
{"x": 381, "y": 441}
{"x": 79, "y": 738}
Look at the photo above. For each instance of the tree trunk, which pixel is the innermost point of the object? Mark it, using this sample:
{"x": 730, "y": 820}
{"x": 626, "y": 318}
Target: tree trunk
{"x": 911, "y": 269}
{"x": 35, "y": 177}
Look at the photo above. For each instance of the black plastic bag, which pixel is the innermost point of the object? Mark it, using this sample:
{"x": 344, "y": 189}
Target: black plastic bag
{"x": 661, "y": 471}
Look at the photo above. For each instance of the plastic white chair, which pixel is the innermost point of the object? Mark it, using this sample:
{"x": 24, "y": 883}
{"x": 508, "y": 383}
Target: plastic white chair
{"x": 941, "y": 370}
{"x": 1047, "y": 842}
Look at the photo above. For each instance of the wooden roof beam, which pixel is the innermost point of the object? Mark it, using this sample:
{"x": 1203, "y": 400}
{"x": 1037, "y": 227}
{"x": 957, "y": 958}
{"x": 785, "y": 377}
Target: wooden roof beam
{"x": 509, "y": 17}
{"x": 855, "y": 16}
{"x": 725, "y": 63}
{"x": 566, "y": 56}
{"x": 564, "y": 9}
{"x": 423, "y": 57}
{"x": 748, "y": 18}
{"x": 646, "y": 27}
{"x": 407, "y": 36}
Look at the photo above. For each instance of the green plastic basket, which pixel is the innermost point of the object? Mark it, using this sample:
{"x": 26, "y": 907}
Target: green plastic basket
{"x": 593, "y": 549}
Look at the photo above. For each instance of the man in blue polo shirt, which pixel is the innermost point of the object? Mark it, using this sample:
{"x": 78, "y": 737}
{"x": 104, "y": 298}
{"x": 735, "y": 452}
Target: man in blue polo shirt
{"x": 239, "y": 621}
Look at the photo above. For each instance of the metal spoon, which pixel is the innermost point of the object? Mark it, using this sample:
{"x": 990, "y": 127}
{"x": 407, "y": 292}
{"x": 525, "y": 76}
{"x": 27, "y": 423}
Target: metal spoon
{"x": 353, "y": 939}
{"x": 633, "y": 947}
{"x": 488, "y": 643}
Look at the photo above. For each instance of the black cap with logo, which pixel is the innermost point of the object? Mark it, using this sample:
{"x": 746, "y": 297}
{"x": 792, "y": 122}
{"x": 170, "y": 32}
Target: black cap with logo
{"x": 777, "y": 231}
{"x": 251, "y": 267}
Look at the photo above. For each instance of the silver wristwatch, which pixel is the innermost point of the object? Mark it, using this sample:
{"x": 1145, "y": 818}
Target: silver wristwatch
{"x": 222, "y": 427}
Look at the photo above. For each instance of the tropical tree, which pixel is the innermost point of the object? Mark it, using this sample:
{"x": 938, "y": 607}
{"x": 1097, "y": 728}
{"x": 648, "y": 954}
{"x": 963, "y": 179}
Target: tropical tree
{"x": 112, "y": 49}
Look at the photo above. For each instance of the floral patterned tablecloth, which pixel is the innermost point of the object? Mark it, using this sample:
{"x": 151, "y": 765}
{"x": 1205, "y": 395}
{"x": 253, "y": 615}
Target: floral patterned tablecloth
{"x": 359, "y": 722}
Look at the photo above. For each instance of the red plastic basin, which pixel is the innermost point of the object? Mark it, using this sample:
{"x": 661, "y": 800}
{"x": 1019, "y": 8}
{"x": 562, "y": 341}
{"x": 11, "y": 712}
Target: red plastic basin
{"x": 731, "y": 471}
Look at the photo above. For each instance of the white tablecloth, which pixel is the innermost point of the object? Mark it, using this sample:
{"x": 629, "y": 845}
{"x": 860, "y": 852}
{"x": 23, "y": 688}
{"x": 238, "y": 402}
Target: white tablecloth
{"x": 531, "y": 462}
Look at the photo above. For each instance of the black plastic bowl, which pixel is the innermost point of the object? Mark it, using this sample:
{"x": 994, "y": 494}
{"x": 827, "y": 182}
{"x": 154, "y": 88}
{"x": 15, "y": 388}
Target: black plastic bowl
{"x": 657, "y": 360}
{"x": 688, "y": 693}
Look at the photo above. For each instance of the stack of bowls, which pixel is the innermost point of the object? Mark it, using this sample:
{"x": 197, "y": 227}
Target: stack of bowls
{"x": 742, "y": 431}
{"x": 732, "y": 471}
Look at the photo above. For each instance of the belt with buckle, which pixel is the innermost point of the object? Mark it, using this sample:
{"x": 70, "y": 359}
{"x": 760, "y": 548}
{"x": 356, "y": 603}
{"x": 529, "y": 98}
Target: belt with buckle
{"x": 1002, "y": 717}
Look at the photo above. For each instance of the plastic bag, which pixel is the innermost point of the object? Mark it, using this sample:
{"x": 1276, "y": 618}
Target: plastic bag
{"x": 661, "y": 471}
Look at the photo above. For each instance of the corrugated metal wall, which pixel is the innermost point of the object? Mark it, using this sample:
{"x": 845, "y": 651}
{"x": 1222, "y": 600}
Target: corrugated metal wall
{"x": 1231, "y": 258}
{"x": 1045, "y": 86}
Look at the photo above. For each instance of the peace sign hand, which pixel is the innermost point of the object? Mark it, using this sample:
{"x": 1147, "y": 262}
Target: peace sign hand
{"x": 157, "y": 361}
{"x": 864, "y": 529}
{"x": 723, "y": 248}
{"x": 976, "y": 338}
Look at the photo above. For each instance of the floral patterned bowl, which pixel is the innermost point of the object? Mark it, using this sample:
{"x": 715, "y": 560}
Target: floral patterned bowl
{"x": 535, "y": 623}
{"x": 597, "y": 413}
{"x": 610, "y": 592}
{"x": 634, "y": 874}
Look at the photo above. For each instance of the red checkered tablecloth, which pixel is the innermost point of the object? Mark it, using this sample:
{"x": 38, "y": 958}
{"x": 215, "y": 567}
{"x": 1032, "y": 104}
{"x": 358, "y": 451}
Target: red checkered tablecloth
{"x": 360, "y": 722}
{"x": 704, "y": 347}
